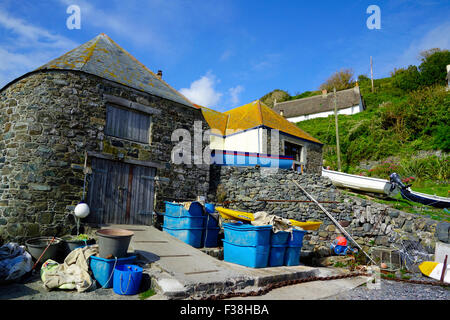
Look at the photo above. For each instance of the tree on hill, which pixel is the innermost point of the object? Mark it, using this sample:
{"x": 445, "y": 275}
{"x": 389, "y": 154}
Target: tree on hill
{"x": 431, "y": 71}
{"x": 277, "y": 94}
{"x": 433, "y": 67}
{"x": 340, "y": 80}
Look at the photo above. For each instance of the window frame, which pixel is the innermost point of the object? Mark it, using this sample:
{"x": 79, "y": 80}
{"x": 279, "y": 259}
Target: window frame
{"x": 130, "y": 111}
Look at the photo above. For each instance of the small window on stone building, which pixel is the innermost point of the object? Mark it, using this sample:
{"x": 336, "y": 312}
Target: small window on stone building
{"x": 127, "y": 124}
{"x": 293, "y": 150}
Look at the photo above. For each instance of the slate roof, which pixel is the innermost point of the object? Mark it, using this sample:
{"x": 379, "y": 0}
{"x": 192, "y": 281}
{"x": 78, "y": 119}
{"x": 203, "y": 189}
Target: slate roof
{"x": 251, "y": 115}
{"x": 320, "y": 103}
{"x": 102, "y": 57}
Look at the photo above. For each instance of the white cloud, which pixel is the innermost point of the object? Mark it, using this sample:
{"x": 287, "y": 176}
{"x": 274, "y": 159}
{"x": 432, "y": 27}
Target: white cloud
{"x": 435, "y": 38}
{"x": 119, "y": 21}
{"x": 30, "y": 35}
{"x": 202, "y": 91}
{"x": 226, "y": 55}
{"x": 234, "y": 93}
{"x": 26, "y": 47}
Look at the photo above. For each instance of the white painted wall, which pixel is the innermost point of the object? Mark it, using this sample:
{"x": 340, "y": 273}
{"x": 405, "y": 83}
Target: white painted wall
{"x": 348, "y": 111}
{"x": 247, "y": 141}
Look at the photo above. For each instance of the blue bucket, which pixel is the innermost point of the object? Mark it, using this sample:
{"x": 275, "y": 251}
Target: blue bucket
{"x": 127, "y": 279}
{"x": 103, "y": 269}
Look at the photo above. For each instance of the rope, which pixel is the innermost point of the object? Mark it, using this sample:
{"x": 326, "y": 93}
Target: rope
{"x": 128, "y": 285}
{"x": 110, "y": 276}
{"x": 206, "y": 234}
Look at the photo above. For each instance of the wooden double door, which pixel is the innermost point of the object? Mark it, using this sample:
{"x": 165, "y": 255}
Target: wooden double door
{"x": 120, "y": 193}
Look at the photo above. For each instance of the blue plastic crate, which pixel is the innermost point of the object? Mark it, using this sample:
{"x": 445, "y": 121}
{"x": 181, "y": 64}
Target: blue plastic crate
{"x": 177, "y": 210}
{"x": 183, "y": 222}
{"x": 209, "y": 238}
{"x": 249, "y": 256}
{"x": 103, "y": 269}
{"x": 191, "y": 236}
{"x": 246, "y": 234}
{"x": 279, "y": 238}
{"x": 292, "y": 256}
{"x": 276, "y": 256}
{"x": 296, "y": 238}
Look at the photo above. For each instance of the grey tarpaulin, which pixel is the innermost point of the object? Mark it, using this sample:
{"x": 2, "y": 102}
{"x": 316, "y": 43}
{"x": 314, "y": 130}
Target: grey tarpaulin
{"x": 72, "y": 274}
{"x": 262, "y": 218}
{"x": 15, "y": 261}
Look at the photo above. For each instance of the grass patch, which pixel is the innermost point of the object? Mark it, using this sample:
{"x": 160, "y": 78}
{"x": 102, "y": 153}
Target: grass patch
{"x": 147, "y": 294}
{"x": 339, "y": 265}
{"x": 407, "y": 206}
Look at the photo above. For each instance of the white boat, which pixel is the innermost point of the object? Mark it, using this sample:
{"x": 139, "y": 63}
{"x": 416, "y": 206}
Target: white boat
{"x": 366, "y": 184}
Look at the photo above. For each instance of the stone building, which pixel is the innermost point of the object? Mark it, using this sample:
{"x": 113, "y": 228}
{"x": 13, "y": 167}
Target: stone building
{"x": 96, "y": 105}
{"x": 256, "y": 132}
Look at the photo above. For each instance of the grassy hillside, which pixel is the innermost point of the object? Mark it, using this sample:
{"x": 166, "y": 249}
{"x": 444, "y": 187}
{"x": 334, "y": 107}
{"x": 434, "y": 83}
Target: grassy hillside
{"x": 396, "y": 126}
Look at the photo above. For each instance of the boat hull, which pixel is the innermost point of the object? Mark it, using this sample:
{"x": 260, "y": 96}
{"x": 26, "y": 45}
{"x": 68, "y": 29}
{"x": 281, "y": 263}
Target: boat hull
{"x": 366, "y": 184}
{"x": 429, "y": 200}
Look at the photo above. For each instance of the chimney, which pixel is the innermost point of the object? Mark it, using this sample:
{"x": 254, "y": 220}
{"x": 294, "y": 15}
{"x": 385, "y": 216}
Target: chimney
{"x": 282, "y": 113}
{"x": 159, "y": 74}
{"x": 324, "y": 92}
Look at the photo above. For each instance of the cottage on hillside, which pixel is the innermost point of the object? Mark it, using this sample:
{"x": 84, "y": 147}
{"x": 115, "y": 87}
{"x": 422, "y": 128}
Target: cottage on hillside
{"x": 349, "y": 102}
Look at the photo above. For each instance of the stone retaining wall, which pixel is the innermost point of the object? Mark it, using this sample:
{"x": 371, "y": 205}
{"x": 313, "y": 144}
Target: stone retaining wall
{"x": 371, "y": 224}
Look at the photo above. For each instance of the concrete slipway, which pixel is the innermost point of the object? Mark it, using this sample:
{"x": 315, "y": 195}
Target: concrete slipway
{"x": 180, "y": 271}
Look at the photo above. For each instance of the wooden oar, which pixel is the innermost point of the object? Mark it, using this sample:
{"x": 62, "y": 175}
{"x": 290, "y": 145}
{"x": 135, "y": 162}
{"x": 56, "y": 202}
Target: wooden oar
{"x": 334, "y": 221}
{"x": 53, "y": 239}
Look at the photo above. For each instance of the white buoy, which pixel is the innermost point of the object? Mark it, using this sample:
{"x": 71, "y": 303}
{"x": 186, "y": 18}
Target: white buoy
{"x": 81, "y": 210}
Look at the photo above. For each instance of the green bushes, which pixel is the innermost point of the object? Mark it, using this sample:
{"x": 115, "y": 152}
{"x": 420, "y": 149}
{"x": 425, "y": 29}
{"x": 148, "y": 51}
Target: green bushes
{"x": 431, "y": 71}
{"x": 407, "y": 79}
{"x": 433, "y": 68}
{"x": 413, "y": 169}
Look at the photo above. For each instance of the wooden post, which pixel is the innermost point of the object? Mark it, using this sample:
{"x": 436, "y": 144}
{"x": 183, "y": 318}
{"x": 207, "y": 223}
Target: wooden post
{"x": 444, "y": 268}
{"x": 371, "y": 71}
{"x": 338, "y": 149}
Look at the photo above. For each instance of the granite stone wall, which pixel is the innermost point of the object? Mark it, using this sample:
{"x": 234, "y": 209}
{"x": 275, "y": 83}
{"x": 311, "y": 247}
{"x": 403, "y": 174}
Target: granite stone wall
{"x": 48, "y": 120}
{"x": 370, "y": 224}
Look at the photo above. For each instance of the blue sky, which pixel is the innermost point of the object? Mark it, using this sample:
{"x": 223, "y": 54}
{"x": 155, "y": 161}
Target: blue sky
{"x": 227, "y": 53}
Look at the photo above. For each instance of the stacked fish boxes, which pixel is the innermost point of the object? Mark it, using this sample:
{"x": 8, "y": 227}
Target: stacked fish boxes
{"x": 260, "y": 247}
{"x": 190, "y": 226}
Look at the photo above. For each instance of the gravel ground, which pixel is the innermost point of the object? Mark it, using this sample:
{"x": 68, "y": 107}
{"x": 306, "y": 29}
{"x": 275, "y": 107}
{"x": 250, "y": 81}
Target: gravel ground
{"x": 394, "y": 290}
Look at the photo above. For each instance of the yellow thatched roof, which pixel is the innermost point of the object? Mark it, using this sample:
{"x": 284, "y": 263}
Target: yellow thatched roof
{"x": 251, "y": 115}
